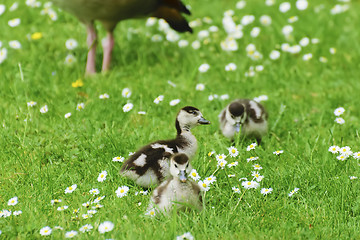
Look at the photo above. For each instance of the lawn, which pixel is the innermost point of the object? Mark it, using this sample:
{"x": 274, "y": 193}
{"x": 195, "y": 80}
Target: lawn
{"x": 303, "y": 61}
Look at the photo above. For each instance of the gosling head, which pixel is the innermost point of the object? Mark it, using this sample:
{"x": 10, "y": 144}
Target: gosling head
{"x": 189, "y": 117}
{"x": 236, "y": 114}
{"x": 180, "y": 166}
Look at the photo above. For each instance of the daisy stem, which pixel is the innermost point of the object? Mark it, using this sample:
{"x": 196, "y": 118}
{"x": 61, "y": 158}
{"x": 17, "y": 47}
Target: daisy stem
{"x": 215, "y": 171}
{"x": 227, "y": 176}
{"x": 237, "y": 204}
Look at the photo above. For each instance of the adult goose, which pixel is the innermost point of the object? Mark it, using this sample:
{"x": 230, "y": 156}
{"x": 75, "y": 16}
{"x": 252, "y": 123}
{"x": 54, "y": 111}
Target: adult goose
{"x": 110, "y": 12}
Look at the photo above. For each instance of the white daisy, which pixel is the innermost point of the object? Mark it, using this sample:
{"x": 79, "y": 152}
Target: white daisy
{"x": 80, "y": 106}
{"x": 287, "y": 30}
{"x": 196, "y": 44}
{"x": 2, "y": 9}
{"x": 255, "y": 32}
{"x": 252, "y": 159}
{"x": 45, "y": 231}
{"x": 71, "y": 188}
{"x": 302, "y": 4}
{"x": 174, "y": 102}
{"x": 250, "y": 184}
{"x": 194, "y": 175}
{"x": 31, "y": 103}
{"x": 118, "y": 159}
{"x": 204, "y": 68}
{"x": 183, "y": 43}
{"x": 55, "y": 201}
{"x": 236, "y": 190}
{"x": 71, "y": 234}
{"x": 151, "y": 212}
{"x": 102, "y": 176}
{"x": 342, "y": 157}
{"x": 257, "y": 167}
{"x": 44, "y": 109}
{"x": 257, "y": 176}
{"x": 230, "y": 67}
{"x": 126, "y": 92}
{"x": 224, "y": 97}
{"x": 67, "y": 115}
{"x": 334, "y": 149}
{"x": 304, "y": 41}
{"x": 307, "y": 56}
{"x": 17, "y": 213}
{"x": 185, "y": 236}
{"x": 220, "y": 157}
{"x": 356, "y": 155}
{"x": 122, "y": 191}
{"x": 251, "y": 147}
{"x": 204, "y": 185}
{"x": 278, "y": 152}
{"x": 233, "y": 152}
{"x": 339, "y": 111}
{"x": 200, "y": 87}
{"x": 94, "y": 191}
{"x": 293, "y": 19}
{"x": 159, "y": 99}
{"x": 14, "y": 22}
{"x": 15, "y": 44}
{"x": 71, "y": 44}
{"x": 210, "y": 179}
{"x": 222, "y": 163}
{"x": 86, "y": 228}
{"x": 127, "y": 107}
{"x": 13, "y": 201}
{"x": 104, "y": 96}
{"x": 293, "y": 192}
{"x": 284, "y": 7}
{"x": 274, "y": 55}
{"x": 62, "y": 208}
{"x": 339, "y": 120}
{"x": 70, "y": 60}
{"x": 266, "y": 191}
{"x": 232, "y": 164}
{"x": 106, "y": 226}
{"x": 265, "y": 20}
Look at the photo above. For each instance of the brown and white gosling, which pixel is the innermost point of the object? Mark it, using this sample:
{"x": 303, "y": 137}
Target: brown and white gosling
{"x": 177, "y": 190}
{"x": 150, "y": 165}
{"x": 249, "y": 114}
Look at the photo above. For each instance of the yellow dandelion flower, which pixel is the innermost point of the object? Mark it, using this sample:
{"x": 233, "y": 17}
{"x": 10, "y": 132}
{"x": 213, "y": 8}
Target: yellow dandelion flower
{"x": 36, "y": 36}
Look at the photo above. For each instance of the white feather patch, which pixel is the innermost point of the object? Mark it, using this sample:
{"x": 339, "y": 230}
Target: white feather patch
{"x": 167, "y": 149}
{"x": 256, "y": 108}
{"x": 140, "y": 161}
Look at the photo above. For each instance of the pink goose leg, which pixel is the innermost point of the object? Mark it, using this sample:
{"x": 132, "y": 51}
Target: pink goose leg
{"x": 108, "y": 46}
{"x": 91, "y": 42}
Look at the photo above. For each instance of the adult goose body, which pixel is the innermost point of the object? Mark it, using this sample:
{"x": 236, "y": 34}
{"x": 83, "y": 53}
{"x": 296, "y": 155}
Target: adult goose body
{"x": 110, "y": 12}
{"x": 150, "y": 165}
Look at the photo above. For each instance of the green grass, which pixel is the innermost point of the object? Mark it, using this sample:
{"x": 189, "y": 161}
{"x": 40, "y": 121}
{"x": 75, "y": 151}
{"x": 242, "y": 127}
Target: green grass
{"x": 42, "y": 156}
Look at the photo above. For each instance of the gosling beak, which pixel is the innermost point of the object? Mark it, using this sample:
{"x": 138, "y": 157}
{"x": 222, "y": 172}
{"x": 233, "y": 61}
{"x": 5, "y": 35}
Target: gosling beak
{"x": 182, "y": 176}
{"x": 237, "y": 127}
{"x": 203, "y": 121}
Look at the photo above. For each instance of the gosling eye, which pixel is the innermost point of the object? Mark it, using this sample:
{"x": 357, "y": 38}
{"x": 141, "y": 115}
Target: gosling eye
{"x": 175, "y": 165}
{"x": 187, "y": 165}
{"x": 192, "y": 112}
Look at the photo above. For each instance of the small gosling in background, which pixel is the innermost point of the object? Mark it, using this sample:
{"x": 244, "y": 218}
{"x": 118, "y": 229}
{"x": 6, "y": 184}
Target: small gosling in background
{"x": 249, "y": 114}
{"x": 177, "y": 189}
